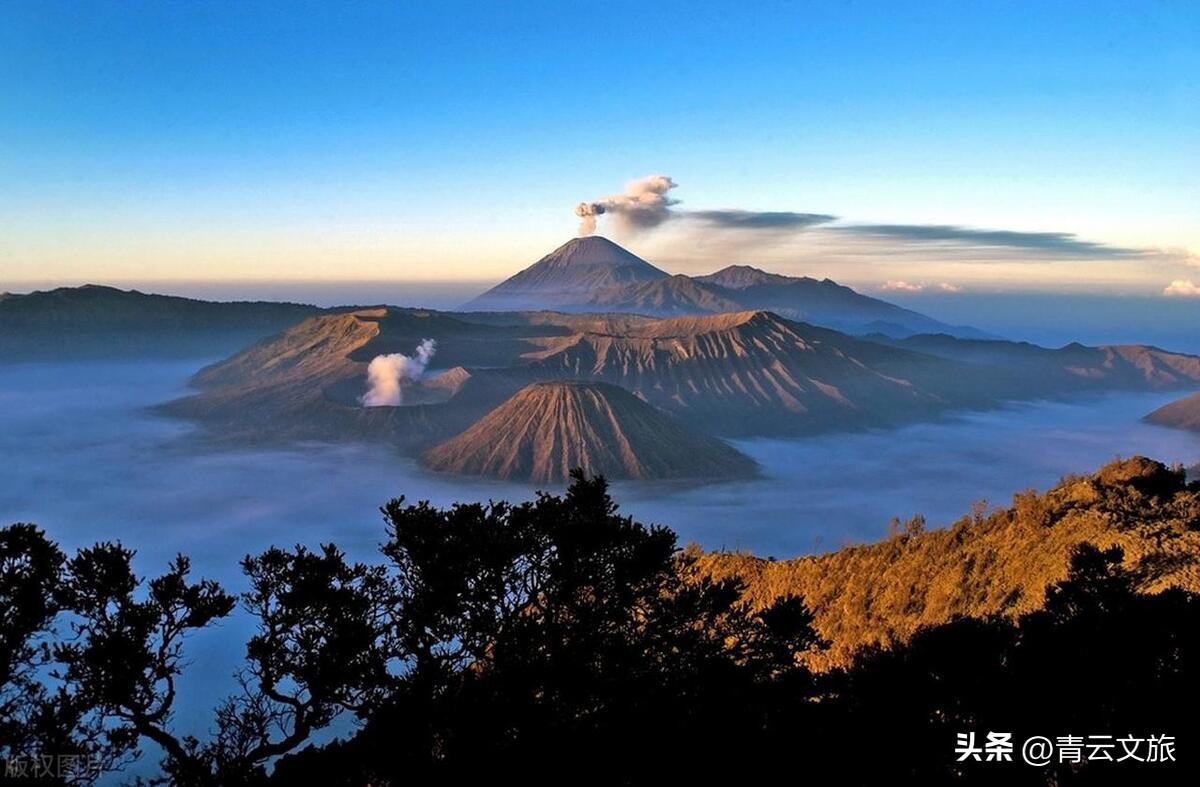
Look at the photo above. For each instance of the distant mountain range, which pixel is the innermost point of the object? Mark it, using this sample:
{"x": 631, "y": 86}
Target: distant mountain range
{"x": 595, "y": 274}
{"x": 94, "y": 321}
{"x": 1117, "y": 367}
{"x": 523, "y": 394}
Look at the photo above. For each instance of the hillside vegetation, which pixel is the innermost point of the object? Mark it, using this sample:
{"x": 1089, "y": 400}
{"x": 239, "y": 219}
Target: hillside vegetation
{"x": 986, "y": 563}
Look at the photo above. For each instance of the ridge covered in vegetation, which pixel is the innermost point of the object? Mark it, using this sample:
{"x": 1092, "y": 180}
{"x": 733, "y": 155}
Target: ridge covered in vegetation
{"x": 997, "y": 562}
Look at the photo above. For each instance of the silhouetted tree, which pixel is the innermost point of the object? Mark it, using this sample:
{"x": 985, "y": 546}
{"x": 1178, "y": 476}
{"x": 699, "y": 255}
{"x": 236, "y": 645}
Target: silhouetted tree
{"x": 557, "y": 640}
{"x": 125, "y": 650}
{"x": 89, "y": 663}
{"x": 30, "y": 600}
{"x": 538, "y": 636}
{"x": 318, "y": 651}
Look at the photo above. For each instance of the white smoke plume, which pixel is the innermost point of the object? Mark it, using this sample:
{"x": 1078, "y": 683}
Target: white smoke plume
{"x": 644, "y": 204}
{"x": 385, "y": 372}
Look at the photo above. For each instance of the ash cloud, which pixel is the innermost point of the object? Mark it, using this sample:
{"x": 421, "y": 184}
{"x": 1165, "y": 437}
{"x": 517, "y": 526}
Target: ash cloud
{"x": 644, "y": 204}
{"x": 386, "y": 372}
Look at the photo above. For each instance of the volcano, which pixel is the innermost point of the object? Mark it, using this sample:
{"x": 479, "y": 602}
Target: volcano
{"x": 546, "y": 429}
{"x": 593, "y": 274}
{"x": 569, "y": 275}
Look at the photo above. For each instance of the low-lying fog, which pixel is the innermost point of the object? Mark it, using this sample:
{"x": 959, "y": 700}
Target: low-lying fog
{"x": 81, "y": 458}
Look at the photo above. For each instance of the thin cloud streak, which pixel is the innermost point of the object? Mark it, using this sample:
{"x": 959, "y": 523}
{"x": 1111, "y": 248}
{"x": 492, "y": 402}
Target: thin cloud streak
{"x": 901, "y": 286}
{"x": 1052, "y": 243}
{"x": 757, "y": 220}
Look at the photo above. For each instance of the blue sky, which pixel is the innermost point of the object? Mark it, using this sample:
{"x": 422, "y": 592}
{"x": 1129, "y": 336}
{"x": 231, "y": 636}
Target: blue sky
{"x": 157, "y": 141}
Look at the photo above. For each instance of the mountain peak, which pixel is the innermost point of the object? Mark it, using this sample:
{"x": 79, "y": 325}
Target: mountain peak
{"x": 596, "y": 251}
{"x": 592, "y": 250}
{"x": 547, "y": 428}
{"x": 579, "y": 267}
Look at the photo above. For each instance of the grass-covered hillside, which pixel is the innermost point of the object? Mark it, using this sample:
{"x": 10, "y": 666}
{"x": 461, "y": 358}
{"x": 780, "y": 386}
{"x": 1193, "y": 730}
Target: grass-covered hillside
{"x": 988, "y": 562}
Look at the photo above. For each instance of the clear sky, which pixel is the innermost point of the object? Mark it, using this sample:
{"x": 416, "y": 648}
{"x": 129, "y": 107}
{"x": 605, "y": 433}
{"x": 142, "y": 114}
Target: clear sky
{"x": 144, "y": 141}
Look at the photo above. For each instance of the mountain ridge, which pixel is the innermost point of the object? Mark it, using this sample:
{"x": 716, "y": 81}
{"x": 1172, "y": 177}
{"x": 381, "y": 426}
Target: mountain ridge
{"x": 740, "y": 277}
{"x": 986, "y": 563}
{"x": 666, "y": 297}
{"x": 97, "y": 321}
{"x": 749, "y": 372}
{"x": 1111, "y": 365}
